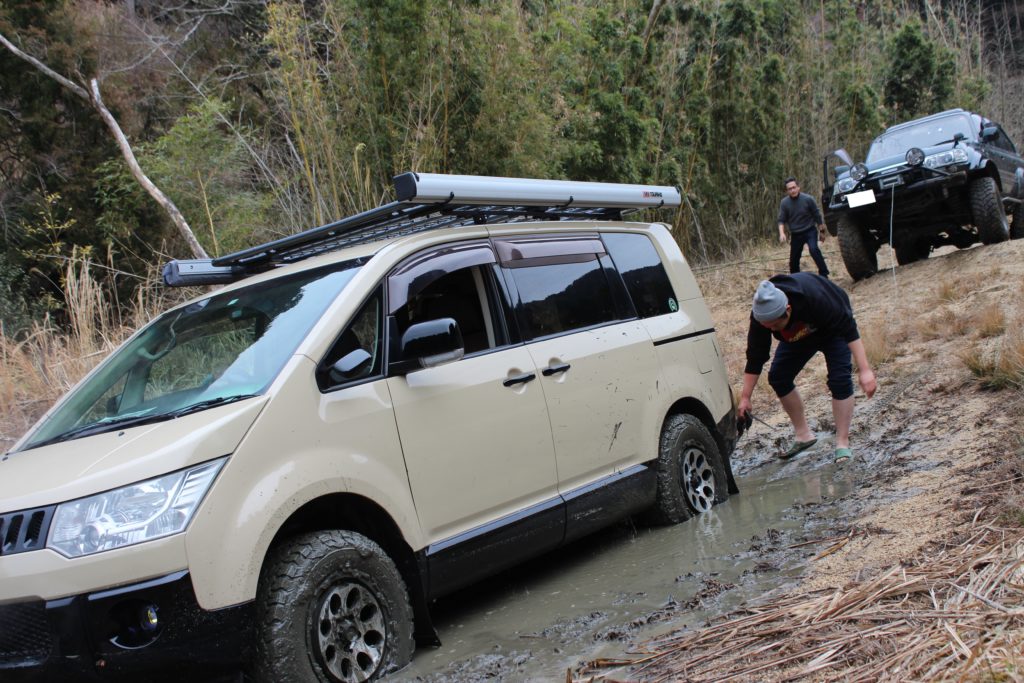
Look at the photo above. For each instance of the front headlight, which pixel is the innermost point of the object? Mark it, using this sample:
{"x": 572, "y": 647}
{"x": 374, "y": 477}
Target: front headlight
{"x": 133, "y": 514}
{"x": 953, "y": 156}
{"x": 844, "y": 185}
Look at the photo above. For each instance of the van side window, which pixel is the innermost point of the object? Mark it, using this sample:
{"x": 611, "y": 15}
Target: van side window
{"x": 457, "y": 282}
{"x": 556, "y": 298}
{"x": 363, "y": 333}
{"x": 462, "y": 296}
{"x": 643, "y": 272}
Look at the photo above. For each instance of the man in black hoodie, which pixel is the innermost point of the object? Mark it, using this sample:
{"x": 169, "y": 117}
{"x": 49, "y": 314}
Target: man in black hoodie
{"x": 807, "y": 314}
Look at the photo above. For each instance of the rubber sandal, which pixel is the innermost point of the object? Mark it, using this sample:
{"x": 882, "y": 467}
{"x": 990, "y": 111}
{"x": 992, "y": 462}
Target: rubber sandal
{"x": 796, "y": 448}
{"x": 843, "y": 455}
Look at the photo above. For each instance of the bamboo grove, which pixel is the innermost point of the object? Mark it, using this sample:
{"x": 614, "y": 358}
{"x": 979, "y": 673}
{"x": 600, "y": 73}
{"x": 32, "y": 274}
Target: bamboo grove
{"x": 263, "y": 117}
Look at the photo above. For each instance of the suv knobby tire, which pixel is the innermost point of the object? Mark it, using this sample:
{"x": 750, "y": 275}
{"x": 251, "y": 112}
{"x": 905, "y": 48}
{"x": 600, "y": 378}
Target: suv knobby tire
{"x": 331, "y": 608}
{"x": 989, "y": 216}
{"x": 855, "y": 245}
{"x": 1017, "y": 226}
{"x": 691, "y": 473}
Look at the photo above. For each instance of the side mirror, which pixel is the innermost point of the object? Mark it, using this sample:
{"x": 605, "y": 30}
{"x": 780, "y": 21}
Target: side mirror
{"x": 351, "y": 366}
{"x": 431, "y": 343}
{"x": 989, "y": 133}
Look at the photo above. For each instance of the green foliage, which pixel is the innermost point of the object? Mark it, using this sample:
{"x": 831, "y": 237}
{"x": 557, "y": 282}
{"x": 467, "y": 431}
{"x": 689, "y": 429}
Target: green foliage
{"x": 327, "y": 99}
{"x": 205, "y": 169}
{"x": 17, "y": 307}
{"x": 920, "y": 74}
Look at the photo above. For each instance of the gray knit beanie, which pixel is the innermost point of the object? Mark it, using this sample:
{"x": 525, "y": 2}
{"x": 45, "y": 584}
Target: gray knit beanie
{"x": 769, "y": 302}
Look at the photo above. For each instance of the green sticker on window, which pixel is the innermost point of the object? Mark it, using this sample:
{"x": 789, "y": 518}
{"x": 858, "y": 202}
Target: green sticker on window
{"x": 672, "y": 305}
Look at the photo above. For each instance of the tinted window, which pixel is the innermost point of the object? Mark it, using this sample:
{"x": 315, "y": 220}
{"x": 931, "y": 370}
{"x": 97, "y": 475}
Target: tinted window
{"x": 561, "y": 297}
{"x": 642, "y": 271}
{"x": 364, "y": 333}
{"x": 1003, "y": 140}
{"x": 464, "y": 295}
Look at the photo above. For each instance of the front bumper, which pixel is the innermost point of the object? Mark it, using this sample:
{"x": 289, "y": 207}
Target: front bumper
{"x": 912, "y": 200}
{"x": 149, "y": 631}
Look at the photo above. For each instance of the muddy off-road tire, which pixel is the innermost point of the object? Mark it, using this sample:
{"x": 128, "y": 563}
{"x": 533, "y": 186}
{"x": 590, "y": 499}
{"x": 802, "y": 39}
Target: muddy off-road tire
{"x": 989, "y": 216}
{"x": 691, "y": 473}
{"x": 331, "y": 608}
{"x": 1017, "y": 226}
{"x": 909, "y": 253}
{"x": 855, "y": 246}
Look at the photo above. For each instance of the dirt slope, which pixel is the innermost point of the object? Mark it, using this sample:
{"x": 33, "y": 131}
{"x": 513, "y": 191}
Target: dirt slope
{"x": 934, "y": 451}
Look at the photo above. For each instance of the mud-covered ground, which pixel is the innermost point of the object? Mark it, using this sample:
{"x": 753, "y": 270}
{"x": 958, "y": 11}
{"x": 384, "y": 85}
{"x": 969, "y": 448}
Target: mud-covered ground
{"x": 926, "y": 447}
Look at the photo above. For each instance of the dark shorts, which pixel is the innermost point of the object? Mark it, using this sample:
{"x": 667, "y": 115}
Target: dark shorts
{"x": 790, "y": 359}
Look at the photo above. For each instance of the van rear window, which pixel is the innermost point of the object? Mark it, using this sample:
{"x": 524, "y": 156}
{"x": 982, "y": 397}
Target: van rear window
{"x": 646, "y": 280}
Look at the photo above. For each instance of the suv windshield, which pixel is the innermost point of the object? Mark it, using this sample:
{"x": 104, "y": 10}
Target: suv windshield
{"x": 924, "y": 134}
{"x": 220, "y": 349}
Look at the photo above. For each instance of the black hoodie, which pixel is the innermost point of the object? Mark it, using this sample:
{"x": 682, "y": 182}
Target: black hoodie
{"x": 820, "y": 309}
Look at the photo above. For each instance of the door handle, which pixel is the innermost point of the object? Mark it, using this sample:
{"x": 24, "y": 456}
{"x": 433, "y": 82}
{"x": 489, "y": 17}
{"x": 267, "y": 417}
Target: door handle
{"x": 555, "y": 369}
{"x": 520, "y": 379}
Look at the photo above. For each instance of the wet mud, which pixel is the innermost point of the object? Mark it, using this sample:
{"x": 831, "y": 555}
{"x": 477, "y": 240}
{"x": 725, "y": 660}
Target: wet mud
{"x": 590, "y": 599}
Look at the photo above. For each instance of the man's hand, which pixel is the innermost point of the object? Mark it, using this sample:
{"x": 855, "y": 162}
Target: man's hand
{"x": 744, "y": 408}
{"x": 782, "y": 237}
{"x": 867, "y": 382}
{"x": 822, "y": 233}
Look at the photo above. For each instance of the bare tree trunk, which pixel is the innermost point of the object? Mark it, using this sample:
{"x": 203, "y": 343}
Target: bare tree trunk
{"x": 96, "y": 101}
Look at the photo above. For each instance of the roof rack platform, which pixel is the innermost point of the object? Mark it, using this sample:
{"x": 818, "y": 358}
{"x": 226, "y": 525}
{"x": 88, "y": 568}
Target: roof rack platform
{"x": 428, "y": 201}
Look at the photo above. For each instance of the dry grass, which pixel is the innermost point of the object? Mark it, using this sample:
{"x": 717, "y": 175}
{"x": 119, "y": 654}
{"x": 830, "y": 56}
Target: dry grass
{"x": 42, "y": 366}
{"x": 955, "y": 615}
{"x": 962, "y": 286}
{"x": 990, "y": 321}
{"x": 882, "y": 342}
{"x": 999, "y": 368}
{"x": 943, "y": 324}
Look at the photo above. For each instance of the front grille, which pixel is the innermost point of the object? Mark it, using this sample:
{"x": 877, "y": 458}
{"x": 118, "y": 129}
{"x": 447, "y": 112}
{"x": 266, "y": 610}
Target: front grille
{"x": 23, "y": 531}
{"x": 24, "y": 634}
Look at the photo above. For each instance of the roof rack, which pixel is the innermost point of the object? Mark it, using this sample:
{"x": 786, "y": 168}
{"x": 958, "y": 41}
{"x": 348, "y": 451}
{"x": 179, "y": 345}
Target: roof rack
{"x": 427, "y": 201}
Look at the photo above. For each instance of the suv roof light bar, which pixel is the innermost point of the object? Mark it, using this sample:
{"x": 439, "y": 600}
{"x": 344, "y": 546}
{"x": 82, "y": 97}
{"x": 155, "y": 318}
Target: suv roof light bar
{"x": 427, "y": 201}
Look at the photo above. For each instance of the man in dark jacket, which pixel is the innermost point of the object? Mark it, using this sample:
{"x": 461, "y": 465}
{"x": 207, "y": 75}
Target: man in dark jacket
{"x": 807, "y": 314}
{"x": 800, "y": 212}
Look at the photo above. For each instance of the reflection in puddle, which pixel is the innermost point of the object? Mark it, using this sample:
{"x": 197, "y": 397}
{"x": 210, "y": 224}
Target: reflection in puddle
{"x": 534, "y": 622}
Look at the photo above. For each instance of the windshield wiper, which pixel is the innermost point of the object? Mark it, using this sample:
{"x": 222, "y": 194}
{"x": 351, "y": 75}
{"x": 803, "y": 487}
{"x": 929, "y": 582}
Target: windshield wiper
{"x": 111, "y": 423}
{"x": 208, "y": 403}
{"x": 105, "y": 425}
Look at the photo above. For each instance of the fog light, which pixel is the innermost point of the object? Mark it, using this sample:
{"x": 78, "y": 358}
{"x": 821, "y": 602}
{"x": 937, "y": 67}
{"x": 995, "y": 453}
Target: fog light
{"x": 859, "y": 172}
{"x": 915, "y": 156}
{"x": 149, "y": 621}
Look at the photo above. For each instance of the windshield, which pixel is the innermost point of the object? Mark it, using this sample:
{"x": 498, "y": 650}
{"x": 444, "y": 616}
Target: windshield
{"x": 925, "y": 134}
{"x": 223, "y": 348}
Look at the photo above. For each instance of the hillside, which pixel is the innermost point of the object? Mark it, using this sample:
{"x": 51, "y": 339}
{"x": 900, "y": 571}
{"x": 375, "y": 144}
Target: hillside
{"x": 935, "y": 501}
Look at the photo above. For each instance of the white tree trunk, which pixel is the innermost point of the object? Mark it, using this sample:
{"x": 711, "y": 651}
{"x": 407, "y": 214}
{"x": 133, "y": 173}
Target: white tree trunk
{"x": 95, "y": 99}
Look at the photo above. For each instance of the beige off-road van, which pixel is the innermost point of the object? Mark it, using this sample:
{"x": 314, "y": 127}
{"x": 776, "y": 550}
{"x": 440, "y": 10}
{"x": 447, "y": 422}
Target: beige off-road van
{"x": 280, "y": 475}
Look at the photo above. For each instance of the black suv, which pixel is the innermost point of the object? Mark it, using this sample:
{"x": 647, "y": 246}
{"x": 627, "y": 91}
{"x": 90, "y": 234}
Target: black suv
{"x": 948, "y": 178}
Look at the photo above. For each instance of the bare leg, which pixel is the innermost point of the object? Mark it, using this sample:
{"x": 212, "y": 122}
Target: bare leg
{"x": 842, "y": 412}
{"x": 794, "y": 407}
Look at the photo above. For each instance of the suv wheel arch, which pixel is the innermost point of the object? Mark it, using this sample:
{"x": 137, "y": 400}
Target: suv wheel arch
{"x": 358, "y": 514}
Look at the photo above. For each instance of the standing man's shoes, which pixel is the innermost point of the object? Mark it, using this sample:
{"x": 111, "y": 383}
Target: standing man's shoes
{"x": 796, "y": 448}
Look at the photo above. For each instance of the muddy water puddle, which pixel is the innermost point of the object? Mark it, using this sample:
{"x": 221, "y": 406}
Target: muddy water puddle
{"x": 589, "y": 599}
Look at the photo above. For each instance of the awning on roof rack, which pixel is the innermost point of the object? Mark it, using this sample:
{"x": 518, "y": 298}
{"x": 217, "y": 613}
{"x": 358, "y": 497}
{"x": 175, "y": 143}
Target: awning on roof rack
{"x": 427, "y": 201}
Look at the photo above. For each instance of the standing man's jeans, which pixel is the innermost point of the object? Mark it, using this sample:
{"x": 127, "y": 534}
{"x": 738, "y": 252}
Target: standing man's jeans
{"x": 796, "y": 247}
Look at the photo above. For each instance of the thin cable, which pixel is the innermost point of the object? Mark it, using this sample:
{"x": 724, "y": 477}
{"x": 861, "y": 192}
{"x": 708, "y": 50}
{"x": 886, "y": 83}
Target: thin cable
{"x": 892, "y": 251}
